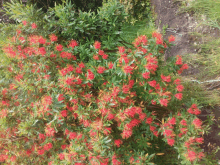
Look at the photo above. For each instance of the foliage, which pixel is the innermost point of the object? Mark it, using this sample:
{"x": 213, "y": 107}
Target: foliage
{"x": 114, "y": 108}
{"x": 136, "y": 9}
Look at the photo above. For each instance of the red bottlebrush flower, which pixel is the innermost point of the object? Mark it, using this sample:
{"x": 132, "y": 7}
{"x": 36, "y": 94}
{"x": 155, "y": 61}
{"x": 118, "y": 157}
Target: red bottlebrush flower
{"x": 131, "y": 83}
{"x": 152, "y": 128}
{"x": 179, "y": 60}
{"x": 200, "y": 155}
{"x": 153, "y": 102}
{"x": 64, "y": 113}
{"x": 163, "y": 102}
{"x": 42, "y": 51}
{"x": 197, "y": 111}
{"x": 59, "y": 47}
{"x": 101, "y": 69}
{"x": 191, "y": 155}
{"x": 47, "y": 77}
{"x": 170, "y": 142}
{"x": 121, "y": 49}
{"x": 81, "y": 65}
{"x": 95, "y": 57}
{"x": 42, "y": 136}
{"x": 13, "y": 158}
{"x": 101, "y": 52}
{"x": 48, "y": 146}
{"x": 149, "y": 120}
{"x": 128, "y": 69}
{"x": 97, "y": 45}
{"x": 105, "y": 56}
{"x": 180, "y": 88}
{"x": 183, "y": 122}
{"x": 146, "y": 75}
{"x": 53, "y": 38}
{"x": 171, "y": 38}
{"x": 63, "y": 147}
{"x": 172, "y": 121}
{"x": 125, "y": 88}
{"x": 166, "y": 78}
{"x": 47, "y": 100}
{"x": 41, "y": 40}
{"x": 118, "y": 142}
{"x": 78, "y": 70}
{"x": 197, "y": 122}
{"x": 60, "y": 97}
{"x": 111, "y": 116}
{"x": 34, "y": 26}
{"x": 107, "y": 131}
{"x": 199, "y": 140}
{"x": 167, "y": 132}
{"x": 126, "y": 133}
{"x": 61, "y": 156}
{"x": 40, "y": 152}
{"x": 73, "y": 44}
{"x": 72, "y": 135}
{"x": 90, "y": 76}
{"x": 152, "y": 83}
{"x": 49, "y": 131}
{"x": 110, "y": 65}
{"x": 179, "y": 96}
{"x": 24, "y": 23}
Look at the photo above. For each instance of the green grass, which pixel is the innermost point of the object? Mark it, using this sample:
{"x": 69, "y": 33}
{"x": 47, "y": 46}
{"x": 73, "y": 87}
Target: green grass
{"x": 130, "y": 32}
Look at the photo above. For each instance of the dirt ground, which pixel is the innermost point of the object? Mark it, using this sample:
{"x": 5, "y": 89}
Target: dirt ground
{"x": 180, "y": 25}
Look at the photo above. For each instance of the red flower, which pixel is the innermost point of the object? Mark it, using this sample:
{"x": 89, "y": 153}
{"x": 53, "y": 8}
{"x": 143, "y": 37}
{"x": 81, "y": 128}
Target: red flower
{"x": 110, "y": 65}
{"x": 90, "y": 76}
{"x": 149, "y": 120}
{"x": 171, "y": 38}
{"x": 95, "y": 57}
{"x": 101, "y": 69}
{"x": 40, "y": 152}
{"x": 172, "y": 121}
{"x": 53, "y": 37}
{"x": 24, "y": 23}
{"x": 128, "y": 69}
{"x": 163, "y": 102}
{"x": 191, "y": 155}
{"x": 42, "y": 136}
{"x": 82, "y": 65}
{"x": 64, "y": 113}
{"x": 152, "y": 83}
{"x": 179, "y": 60}
{"x": 42, "y": 51}
{"x": 48, "y": 146}
{"x": 126, "y": 133}
{"x": 125, "y": 88}
{"x": 170, "y": 142}
{"x": 167, "y": 132}
{"x": 166, "y": 78}
{"x": 72, "y": 135}
{"x": 60, "y": 97}
{"x": 179, "y": 96}
{"x": 61, "y": 156}
{"x": 180, "y": 88}
{"x": 97, "y": 45}
{"x": 59, "y": 47}
{"x": 34, "y": 26}
{"x": 73, "y": 43}
{"x": 121, "y": 49}
{"x": 199, "y": 140}
{"x": 118, "y": 142}
{"x": 197, "y": 122}
{"x": 146, "y": 75}
{"x": 183, "y": 122}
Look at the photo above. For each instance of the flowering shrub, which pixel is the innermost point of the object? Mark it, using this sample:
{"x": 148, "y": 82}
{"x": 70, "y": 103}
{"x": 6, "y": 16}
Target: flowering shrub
{"x": 58, "y": 109}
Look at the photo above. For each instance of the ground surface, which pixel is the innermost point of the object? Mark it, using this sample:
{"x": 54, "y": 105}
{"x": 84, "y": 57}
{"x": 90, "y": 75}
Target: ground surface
{"x": 181, "y": 24}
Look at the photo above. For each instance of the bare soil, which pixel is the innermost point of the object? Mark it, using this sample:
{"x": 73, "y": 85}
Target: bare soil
{"x": 181, "y": 25}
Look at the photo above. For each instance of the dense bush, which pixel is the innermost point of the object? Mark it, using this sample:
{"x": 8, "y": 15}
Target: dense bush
{"x": 57, "y": 109}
